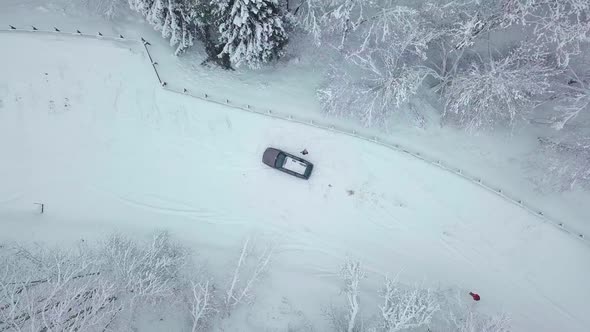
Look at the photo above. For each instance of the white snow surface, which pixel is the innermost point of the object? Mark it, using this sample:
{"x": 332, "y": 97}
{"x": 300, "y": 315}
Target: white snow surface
{"x": 85, "y": 129}
{"x": 501, "y": 159}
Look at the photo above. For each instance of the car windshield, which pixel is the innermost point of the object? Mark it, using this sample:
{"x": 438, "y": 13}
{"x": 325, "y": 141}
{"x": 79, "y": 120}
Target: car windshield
{"x": 280, "y": 160}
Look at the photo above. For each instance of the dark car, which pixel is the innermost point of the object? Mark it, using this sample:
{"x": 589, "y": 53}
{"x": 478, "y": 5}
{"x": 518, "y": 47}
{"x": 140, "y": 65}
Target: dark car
{"x": 287, "y": 163}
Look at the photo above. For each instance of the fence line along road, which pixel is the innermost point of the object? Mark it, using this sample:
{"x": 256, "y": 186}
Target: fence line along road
{"x": 77, "y": 33}
{"x": 541, "y": 215}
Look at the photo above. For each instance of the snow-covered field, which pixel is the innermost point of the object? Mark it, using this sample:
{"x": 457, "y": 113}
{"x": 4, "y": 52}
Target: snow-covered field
{"x": 85, "y": 129}
{"x": 502, "y": 159}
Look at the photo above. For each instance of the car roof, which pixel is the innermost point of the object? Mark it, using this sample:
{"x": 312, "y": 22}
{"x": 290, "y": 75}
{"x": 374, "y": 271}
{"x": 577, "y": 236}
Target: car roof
{"x": 295, "y": 165}
{"x": 270, "y": 155}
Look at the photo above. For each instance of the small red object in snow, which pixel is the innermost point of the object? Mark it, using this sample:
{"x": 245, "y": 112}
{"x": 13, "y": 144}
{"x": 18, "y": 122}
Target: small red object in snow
{"x": 475, "y": 296}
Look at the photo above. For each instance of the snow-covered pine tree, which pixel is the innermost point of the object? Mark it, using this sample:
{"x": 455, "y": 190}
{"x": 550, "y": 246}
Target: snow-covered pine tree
{"x": 169, "y": 17}
{"x": 141, "y": 6}
{"x": 201, "y": 14}
{"x": 251, "y": 31}
{"x": 109, "y": 9}
{"x": 157, "y": 13}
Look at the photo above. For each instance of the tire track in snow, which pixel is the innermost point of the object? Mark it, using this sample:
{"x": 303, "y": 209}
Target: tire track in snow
{"x": 486, "y": 251}
{"x": 556, "y": 306}
{"x": 471, "y": 254}
{"x": 167, "y": 206}
{"x": 445, "y": 240}
{"x": 327, "y": 127}
{"x": 384, "y": 217}
{"x": 181, "y": 209}
{"x": 162, "y": 208}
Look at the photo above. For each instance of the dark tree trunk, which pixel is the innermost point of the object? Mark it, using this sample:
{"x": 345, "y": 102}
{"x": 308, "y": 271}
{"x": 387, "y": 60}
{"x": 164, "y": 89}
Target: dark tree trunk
{"x": 213, "y": 49}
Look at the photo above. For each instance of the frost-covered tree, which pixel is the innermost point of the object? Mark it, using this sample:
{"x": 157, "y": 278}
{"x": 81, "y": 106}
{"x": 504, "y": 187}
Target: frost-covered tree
{"x": 352, "y": 274}
{"x": 573, "y": 97}
{"x": 172, "y": 19}
{"x": 85, "y": 289}
{"x": 249, "y": 269}
{"x": 143, "y": 7}
{"x": 492, "y": 91}
{"x": 559, "y": 25}
{"x": 236, "y": 32}
{"x": 473, "y": 321}
{"x": 372, "y": 96}
{"x": 54, "y": 290}
{"x": 456, "y": 315}
{"x": 463, "y": 22}
{"x": 343, "y": 17}
{"x": 352, "y": 20}
{"x": 375, "y": 77}
{"x": 404, "y": 309}
{"x": 348, "y": 319}
{"x": 201, "y": 305}
{"x": 103, "y": 286}
{"x": 252, "y": 32}
{"x": 308, "y": 15}
{"x": 565, "y": 161}
{"x": 148, "y": 272}
{"x": 322, "y": 17}
{"x": 384, "y": 71}
{"x": 106, "y": 8}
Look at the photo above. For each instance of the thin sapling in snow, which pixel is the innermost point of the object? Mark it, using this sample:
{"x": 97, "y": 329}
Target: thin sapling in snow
{"x": 246, "y": 274}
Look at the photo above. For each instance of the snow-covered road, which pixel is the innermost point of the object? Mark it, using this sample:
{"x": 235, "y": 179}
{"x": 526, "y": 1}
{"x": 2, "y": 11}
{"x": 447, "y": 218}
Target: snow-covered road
{"x": 85, "y": 129}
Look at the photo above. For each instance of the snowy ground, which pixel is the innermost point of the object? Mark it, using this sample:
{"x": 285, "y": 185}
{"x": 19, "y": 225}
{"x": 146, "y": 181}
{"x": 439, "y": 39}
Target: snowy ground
{"x": 85, "y": 130}
{"x": 499, "y": 158}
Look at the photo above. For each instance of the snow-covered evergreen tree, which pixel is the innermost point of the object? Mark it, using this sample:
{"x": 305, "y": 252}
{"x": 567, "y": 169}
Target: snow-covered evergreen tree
{"x": 109, "y": 9}
{"x": 172, "y": 19}
{"x": 251, "y": 31}
{"x": 234, "y": 32}
{"x": 141, "y": 6}
{"x": 202, "y": 13}
{"x": 157, "y": 13}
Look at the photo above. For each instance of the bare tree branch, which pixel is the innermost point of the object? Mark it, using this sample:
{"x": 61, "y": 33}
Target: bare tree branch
{"x": 352, "y": 274}
{"x": 201, "y": 305}
{"x": 241, "y": 285}
{"x": 406, "y": 308}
